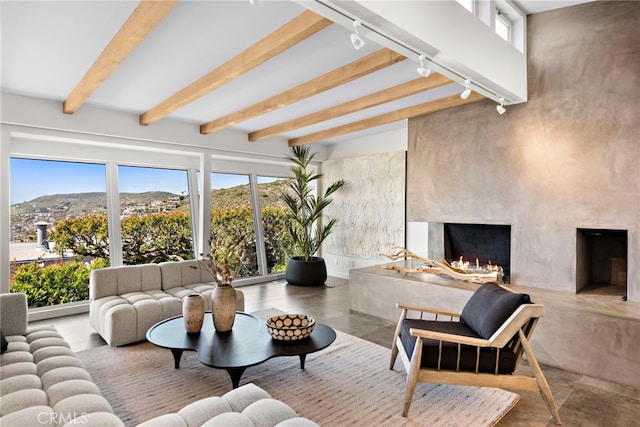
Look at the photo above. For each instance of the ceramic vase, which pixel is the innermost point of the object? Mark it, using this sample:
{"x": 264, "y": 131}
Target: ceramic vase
{"x": 193, "y": 313}
{"x": 223, "y": 309}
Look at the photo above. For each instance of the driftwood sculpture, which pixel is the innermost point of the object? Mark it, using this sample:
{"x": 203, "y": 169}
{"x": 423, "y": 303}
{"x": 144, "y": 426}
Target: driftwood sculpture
{"x": 441, "y": 267}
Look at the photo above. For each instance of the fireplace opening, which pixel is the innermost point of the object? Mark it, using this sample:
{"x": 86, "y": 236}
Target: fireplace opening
{"x": 601, "y": 261}
{"x": 489, "y": 244}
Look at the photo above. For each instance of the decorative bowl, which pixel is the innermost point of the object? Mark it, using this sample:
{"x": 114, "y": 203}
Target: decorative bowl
{"x": 290, "y": 327}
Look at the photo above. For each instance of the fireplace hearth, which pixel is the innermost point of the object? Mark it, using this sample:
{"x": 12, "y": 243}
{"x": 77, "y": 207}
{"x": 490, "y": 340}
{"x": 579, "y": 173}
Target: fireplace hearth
{"x": 488, "y": 244}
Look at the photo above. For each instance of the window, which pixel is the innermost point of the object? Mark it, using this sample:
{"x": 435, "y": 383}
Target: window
{"x": 231, "y": 210}
{"x": 58, "y": 229}
{"x": 155, "y": 215}
{"x": 468, "y": 4}
{"x": 503, "y": 26}
{"x": 278, "y": 244}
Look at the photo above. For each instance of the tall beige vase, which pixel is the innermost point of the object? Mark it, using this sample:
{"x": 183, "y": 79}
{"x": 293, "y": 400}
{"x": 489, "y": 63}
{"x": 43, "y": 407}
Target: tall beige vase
{"x": 223, "y": 303}
{"x": 193, "y": 313}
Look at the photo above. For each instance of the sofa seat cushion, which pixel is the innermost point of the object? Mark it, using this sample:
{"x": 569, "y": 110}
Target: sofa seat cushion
{"x": 19, "y": 382}
{"x": 57, "y": 362}
{"x": 62, "y": 374}
{"x": 430, "y": 348}
{"x": 47, "y": 352}
{"x": 20, "y": 368}
{"x": 22, "y": 399}
{"x": 65, "y": 389}
{"x": 16, "y": 354}
{"x": 41, "y": 415}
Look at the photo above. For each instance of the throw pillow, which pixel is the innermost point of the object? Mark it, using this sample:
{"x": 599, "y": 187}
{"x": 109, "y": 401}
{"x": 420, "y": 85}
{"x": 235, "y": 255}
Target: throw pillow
{"x": 5, "y": 343}
{"x": 489, "y": 307}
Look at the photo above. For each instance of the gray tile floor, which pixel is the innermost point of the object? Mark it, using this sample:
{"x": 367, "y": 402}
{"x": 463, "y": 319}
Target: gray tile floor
{"x": 582, "y": 400}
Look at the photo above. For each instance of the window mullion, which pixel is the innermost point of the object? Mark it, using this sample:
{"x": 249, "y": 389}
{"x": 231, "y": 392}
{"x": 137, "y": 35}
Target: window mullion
{"x": 113, "y": 215}
{"x": 261, "y": 254}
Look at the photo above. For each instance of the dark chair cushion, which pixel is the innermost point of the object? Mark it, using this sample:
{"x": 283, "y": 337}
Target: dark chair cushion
{"x": 5, "y": 343}
{"x": 448, "y": 361}
{"x": 489, "y": 307}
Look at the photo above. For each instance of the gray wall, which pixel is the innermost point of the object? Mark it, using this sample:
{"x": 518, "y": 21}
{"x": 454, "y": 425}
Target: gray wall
{"x": 568, "y": 158}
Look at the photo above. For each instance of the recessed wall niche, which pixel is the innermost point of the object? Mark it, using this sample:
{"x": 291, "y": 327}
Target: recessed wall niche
{"x": 601, "y": 261}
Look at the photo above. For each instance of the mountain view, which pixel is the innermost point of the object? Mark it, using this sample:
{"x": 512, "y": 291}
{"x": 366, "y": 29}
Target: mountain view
{"x": 56, "y": 207}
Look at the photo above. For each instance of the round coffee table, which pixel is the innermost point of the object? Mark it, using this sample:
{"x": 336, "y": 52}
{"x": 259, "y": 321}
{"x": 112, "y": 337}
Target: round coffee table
{"x": 247, "y": 344}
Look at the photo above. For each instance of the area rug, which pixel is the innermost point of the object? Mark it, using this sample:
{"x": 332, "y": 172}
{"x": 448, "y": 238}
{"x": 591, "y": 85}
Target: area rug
{"x": 347, "y": 384}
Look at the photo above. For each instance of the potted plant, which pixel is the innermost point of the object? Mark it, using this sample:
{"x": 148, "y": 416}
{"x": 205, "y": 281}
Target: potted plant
{"x": 303, "y": 220}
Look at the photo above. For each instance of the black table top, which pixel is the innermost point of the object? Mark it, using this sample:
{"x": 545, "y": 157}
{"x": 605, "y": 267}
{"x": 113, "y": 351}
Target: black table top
{"x": 247, "y": 344}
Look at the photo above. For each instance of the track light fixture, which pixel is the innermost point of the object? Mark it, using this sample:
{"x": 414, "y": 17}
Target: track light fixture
{"x": 422, "y": 70}
{"x": 356, "y": 40}
{"x": 500, "y": 108}
{"x": 467, "y": 91}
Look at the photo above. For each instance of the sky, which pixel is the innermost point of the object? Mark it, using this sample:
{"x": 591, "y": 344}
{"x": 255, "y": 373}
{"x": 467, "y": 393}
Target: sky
{"x": 35, "y": 178}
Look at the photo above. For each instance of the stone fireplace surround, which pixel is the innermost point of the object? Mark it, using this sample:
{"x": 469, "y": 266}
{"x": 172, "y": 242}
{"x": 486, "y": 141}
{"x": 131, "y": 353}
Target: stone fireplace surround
{"x": 567, "y": 159}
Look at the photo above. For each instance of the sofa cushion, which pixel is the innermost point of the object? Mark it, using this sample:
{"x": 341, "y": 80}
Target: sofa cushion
{"x": 171, "y": 275}
{"x": 41, "y": 415}
{"x": 149, "y": 277}
{"x": 19, "y": 382}
{"x": 129, "y": 279}
{"x": 198, "y": 412}
{"x": 22, "y": 399}
{"x": 103, "y": 282}
{"x": 12, "y": 309}
{"x": 489, "y": 307}
{"x": 190, "y": 271}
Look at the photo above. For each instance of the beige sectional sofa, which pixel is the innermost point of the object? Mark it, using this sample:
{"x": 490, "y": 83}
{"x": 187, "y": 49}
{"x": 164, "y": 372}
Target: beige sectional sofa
{"x": 43, "y": 383}
{"x": 127, "y": 300}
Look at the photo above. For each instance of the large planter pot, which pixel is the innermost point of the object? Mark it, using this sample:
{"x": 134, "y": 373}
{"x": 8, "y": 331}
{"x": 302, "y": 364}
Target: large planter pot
{"x": 223, "y": 308}
{"x": 306, "y": 273}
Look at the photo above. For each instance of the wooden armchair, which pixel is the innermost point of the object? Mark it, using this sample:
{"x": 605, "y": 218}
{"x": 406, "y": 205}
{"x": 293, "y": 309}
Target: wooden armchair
{"x": 482, "y": 346}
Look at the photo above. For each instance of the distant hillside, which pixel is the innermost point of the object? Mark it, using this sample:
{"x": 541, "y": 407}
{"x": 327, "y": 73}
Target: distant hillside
{"x": 239, "y": 195}
{"x": 81, "y": 203}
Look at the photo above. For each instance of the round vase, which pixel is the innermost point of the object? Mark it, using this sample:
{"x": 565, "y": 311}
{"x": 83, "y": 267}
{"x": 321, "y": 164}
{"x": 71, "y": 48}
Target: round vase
{"x": 193, "y": 313}
{"x": 223, "y": 309}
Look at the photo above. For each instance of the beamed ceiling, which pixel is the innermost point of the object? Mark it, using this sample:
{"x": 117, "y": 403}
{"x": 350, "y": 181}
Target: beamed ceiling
{"x": 271, "y": 70}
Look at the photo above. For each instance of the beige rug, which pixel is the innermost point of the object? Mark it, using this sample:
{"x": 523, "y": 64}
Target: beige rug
{"x": 347, "y": 384}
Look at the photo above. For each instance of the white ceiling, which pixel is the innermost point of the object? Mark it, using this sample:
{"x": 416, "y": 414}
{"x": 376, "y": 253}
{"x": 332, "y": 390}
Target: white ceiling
{"x": 48, "y": 46}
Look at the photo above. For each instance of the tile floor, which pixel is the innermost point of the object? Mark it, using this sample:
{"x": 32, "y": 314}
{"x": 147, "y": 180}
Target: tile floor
{"x": 582, "y": 400}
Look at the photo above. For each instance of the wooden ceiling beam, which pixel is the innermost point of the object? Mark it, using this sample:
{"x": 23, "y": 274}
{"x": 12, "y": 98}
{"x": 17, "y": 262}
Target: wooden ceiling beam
{"x": 346, "y": 73}
{"x": 383, "y": 119}
{"x": 293, "y": 32}
{"x": 140, "y": 23}
{"x": 387, "y": 95}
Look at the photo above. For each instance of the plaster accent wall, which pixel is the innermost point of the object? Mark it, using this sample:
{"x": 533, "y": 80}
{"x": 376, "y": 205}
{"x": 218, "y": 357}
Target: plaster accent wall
{"x": 568, "y": 158}
{"x": 370, "y": 207}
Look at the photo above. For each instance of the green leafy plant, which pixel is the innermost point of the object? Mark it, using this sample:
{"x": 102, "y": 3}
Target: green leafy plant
{"x": 55, "y": 283}
{"x": 231, "y": 237}
{"x": 305, "y": 206}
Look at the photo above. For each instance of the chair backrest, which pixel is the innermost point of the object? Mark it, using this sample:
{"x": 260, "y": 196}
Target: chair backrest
{"x": 489, "y": 308}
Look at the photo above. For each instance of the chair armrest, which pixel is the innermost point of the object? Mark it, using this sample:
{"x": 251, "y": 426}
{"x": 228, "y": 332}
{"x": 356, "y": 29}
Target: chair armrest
{"x": 456, "y": 339}
{"x": 13, "y": 313}
{"x": 428, "y": 310}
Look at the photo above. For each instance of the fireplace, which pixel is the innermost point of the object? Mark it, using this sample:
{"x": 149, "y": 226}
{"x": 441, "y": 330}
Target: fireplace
{"x": 488, "y": 244}
{"x": 601, "y": 261}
